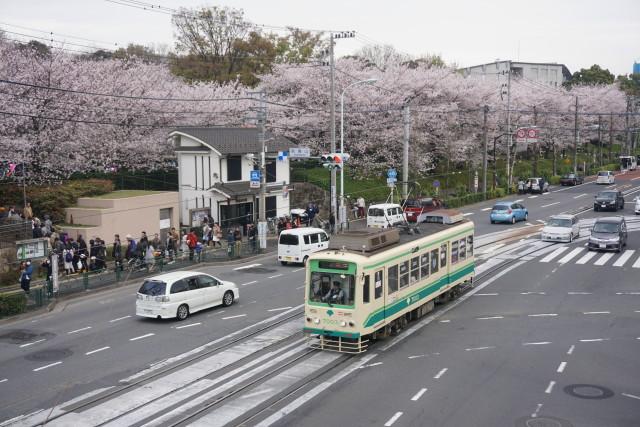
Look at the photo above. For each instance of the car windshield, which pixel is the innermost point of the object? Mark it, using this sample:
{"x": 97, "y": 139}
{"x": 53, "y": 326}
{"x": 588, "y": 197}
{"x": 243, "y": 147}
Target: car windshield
{"x": 569, "y": 176}
{"x": 603, "y": 173}
{"x": 288, "y": 239}
{"x": 606, "y": 195}
{"x": 153, "y": 288}
{"x": 500, "y": 207}
{"x": 332, "y": 288}
{"x": 559, "y": 222}
{"x": 605, "y": 227}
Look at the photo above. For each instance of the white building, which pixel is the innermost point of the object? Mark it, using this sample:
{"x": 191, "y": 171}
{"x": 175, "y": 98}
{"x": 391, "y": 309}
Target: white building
{"x": 214, "y": 166}
{"x": 547, "y": 73}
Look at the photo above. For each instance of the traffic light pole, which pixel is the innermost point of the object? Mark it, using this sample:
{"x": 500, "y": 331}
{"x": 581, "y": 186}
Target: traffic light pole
{"x": 332, "y": 103}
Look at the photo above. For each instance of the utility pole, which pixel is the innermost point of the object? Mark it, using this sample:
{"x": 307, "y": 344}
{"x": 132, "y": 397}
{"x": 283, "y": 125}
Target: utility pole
{"x": 600, "y": 136}
{"x": 627, "y": 127}
{"x": 575, "y": 140}
{"x": 535, "y": 146}
{"x": 509, "y": 139}
{"x": 610, "y": 136}
{"x": 334, "y": 202}
{"x": 406, "y": 116}
{"x": 485, "y": 135}
{"x": 261, "y": 118}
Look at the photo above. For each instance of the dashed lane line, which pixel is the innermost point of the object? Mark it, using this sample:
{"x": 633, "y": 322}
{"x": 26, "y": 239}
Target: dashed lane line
{"x": 561, "y": 367}
{"x": 418, "y": 395}
{"x": 32, "y": 343}
{"x": 579, "y": 293}
{"x": 550, "y": 204}
{"x": 189, "y": 325}
{"x": 119, "y": 318}
{"x": 244, "y": 267}
{"x": 440, "y": 374}
{"x": 467, "y": 214}
{"x": 486, "y": 209}
{"x": 297, "y": 269}
{"x": 4, "y": 380}
{"x": 233, "y": 317}
{"x": 537, "y": 343}
{"x": 47, "y": 366}
{"x": 279, "y": 309}
{"x": 371, "y": 365}
{"x": 79, "y": 330}
{"x": 490, "y": 317}
{"x": 277, "y": 275}
{"x": 543, "y": 315}
{"x": 579, "y": 195}
{"x": 627, "y": 293}
{"x": 533, "y": 293}
{"x": 88, "y": 353}
{"x": 570, "y": 351}
{"x": 532, "y": 197}
{"x": 300, "y": 287}
{"x": 393, "y": 419}
{"x": 142, "y": 337}
{"x": 597, "y": 312}
{"x": 487, "y": 294}
{"x": 480, "y": 348}
{"x": 595, "y": 340}
{"x": 632, "y": 396}
{"x": 550, "y": 387}
{"x": 249, "y": 283}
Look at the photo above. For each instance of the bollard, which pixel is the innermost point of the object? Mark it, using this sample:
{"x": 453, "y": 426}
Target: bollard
{"x": 118, "y": 273}
{"x": 85, "y": 280}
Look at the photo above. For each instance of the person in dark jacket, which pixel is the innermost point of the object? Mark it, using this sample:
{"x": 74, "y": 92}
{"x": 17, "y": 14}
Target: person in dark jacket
{"x": 252, "y": 235}
{"x": 230, "y": 242}
{"x": 82, "y": 246}
{"x": 116, "y": 252}
{"x": 25, "y": 277}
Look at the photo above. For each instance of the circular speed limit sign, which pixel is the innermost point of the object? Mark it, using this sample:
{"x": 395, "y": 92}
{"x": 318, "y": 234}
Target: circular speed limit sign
{"x": 532, "y": 133}
{"x": 521, "y": 133}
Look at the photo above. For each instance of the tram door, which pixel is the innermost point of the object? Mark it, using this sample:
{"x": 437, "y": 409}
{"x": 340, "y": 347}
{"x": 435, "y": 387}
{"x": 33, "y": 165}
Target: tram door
{"x": 378, "y": 289}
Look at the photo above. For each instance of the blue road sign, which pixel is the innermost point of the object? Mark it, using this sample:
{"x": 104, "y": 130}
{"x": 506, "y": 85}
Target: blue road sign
{"x": 436, "y": 183}
{"x": 392, "y": 173}
{"x": 255, "y": 176}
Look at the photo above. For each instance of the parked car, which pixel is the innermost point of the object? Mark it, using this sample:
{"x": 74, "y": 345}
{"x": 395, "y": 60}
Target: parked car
{"x": 637, "y": 206}
{"x": 508, "y": 212}
{"x": 611, "y": 199}
{"x": 608, "y": 234}
{"x": 537, "y": 185}
{"x": 181, "y": 293}
{"x": 415, "y": 210}
{"x": 385, "y": 215}
{"x": 561, "y": 228}
{"x": 297, "y": 244}
{"x": 605, "y": 177}
{"x": 571, "y": 179}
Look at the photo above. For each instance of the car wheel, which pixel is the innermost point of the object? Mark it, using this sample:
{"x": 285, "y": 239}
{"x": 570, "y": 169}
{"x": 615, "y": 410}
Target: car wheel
{"x": 513, "y": 220}
{"x": 526, "y": 216}
{"x": 284, "y": 262}
{"x": 227, "y": 299}
{"x": 492, "y": 221}
{"x": 570, "y": 237}
{"x": 183, "y": 312}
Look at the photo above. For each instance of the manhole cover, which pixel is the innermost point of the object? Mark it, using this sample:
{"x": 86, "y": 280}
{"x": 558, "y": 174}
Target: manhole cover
{"x": 588, "y": 391}
{"x": 49, "y": 355}
{"x": 542, "y": 421}
{"x": 23, "y": 336}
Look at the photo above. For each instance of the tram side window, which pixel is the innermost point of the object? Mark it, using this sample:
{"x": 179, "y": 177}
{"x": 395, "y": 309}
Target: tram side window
{"x": 393, "y": 279}
{"x": 377, "y": 279}
{"x": 470, "y": 245}
{"x": 424, "y": 265}
{"x": 404, "y": 274}
{"x": 443, "y": 255}
{"x": 434, "y": 261}
{"x": 415, "y": 269}
{"x": 454, "y": 252}
{"x": 365, "y": 290}
{"x": 463, "y": 250}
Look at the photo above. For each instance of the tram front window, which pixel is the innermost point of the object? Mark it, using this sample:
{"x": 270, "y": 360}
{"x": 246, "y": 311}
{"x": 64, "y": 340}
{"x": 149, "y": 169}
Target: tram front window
{"x": 332, "y": 288}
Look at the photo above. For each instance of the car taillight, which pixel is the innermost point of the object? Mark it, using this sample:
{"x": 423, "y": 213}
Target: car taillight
{"x": 509, "y": 211}
{"x": 163, "y": 298}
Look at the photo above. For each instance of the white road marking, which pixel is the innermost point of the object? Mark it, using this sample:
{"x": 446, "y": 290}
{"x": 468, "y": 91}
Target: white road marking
{"x": 441, "y": 373}
{"x": 597, "y": 312}
{"x": 273, "y": 277}
{"x": 532, "y": 197}
{"x": 297, "y": 269}
{"x": 550, "y": 387}
{"x": 141, "y": 337}
{"x": 561, "y": 367}
{"x": 568, "y": 257}
{"x": 518, "y": 201}
{"x": 467, "y": 214}
{"x": 257, "y": 393}
{"x": 579, "y": 293}
{"x": 97, "y": 350}
{"x": 189, "y": 325}
{"x": 300, "y": 287}
{"x": 46, "y": 366}
{"x": 32, "y": 343}
{"x": 279, "y": 309}
{"x": 586, "y": 258}
{"x": 479, "y": 348}
{"x": 79, "y": 330}
{"x": 493, "y": 248}
{"x": 233, "y": 317}
{"x": 371, "y": 365}
{"x": 417, "y": 356}
{"x": 119, "y": 318}
{"x": 595, "y": 340}
{"x": 486, "y": 209}
{"x": 419, "y": 394}
{"x": 4, "y": 380}
{"x": 543, "y": 315}
{"x": 554, "y": 254}
{"x": 490, "y": 317}
{"x": 247, "y": 266}
{"x": 533, "y": 293}
{"x": 579, "y": 195}
{"x": 486, "y": 295}
{"x": 541, "y": 221}
{"x": 393, "y": 419}
{"x": 633, "y": 179}
{"x": 624, "y": 258}
{"x": 627, "y": 293}
{"x": 550, "y": 204}
{"x": 571, "y": 349}
{"x": 627, "y": 394}
{"x": 603, "y": 259}
{"x": 537, "y": 343}
{"x": 249, "y": 283}
{"x": 535, "y": 413}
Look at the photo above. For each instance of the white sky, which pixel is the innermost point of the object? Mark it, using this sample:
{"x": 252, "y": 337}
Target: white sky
{"x": 577, "y": 33}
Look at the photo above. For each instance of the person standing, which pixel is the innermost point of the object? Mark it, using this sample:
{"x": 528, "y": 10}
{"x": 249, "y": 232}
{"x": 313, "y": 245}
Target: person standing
{"x": 252, "y": 235}
{"x": 116, "y": 252}
{"x": 67, "y": 256}
{"x": 192, "y": 241}
{"x": 25, "y": 277}
{"x": 361, "y": 205}
{"x": 332, "y": 222}
{"x": 48, "y": 226}
{"x": 27, "y": 212}
{"x": 175, "y": 240}
{"x": 230, "y": 243}
{"x": 131, "y": 248}
{"x": 237, "y": 237}
{"x": 206, "y": 233}
{"x": 216, "y": 235}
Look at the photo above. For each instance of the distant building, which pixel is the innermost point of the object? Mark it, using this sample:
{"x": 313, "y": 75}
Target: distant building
{"x": 636, "y": 68}
{"x": 214, "y": 167}
{"x": 547, "y": 73}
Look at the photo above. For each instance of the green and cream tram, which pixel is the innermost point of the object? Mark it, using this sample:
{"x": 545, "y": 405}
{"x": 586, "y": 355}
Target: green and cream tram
{"x": 370, "y": 284}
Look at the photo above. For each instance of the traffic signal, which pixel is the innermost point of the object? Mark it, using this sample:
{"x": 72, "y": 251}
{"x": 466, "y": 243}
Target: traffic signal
{"x": 334, "y": 160}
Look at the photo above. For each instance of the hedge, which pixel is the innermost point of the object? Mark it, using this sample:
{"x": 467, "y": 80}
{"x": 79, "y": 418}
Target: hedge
{"x": 12, "y": 303}
{"x": 474, "y": 198}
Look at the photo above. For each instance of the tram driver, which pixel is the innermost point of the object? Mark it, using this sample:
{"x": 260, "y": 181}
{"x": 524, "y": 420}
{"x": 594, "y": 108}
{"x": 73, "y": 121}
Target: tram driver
{"x": 335, "y": 294}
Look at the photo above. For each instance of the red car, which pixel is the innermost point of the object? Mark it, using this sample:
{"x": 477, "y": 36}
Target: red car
{"x": 416, "y": 209}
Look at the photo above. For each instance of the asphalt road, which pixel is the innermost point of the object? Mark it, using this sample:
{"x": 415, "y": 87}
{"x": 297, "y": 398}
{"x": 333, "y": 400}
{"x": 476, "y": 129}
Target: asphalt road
{"x": 96, "y": 341}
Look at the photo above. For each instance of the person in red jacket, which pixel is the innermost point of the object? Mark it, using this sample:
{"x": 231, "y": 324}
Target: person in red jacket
{"x": 192, "y": 241}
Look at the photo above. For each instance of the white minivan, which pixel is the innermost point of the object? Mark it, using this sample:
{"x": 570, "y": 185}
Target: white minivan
{"x": 385, "y": 215}
{"x": 297, "y": 244}
{"x": 181, "y": 293}
{"x": 605, "y": 177}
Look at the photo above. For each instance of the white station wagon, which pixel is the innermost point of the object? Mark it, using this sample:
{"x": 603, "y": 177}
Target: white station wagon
{"x": 181, "y": 293}
{"x": 561, "y": 228}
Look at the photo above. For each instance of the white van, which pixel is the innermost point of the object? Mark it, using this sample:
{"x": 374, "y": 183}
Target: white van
{"x": 297, "y": 244}
{"x": 605, "y": 177}
{"x": 385, "y": 215}
{"x": 181, "y": 293}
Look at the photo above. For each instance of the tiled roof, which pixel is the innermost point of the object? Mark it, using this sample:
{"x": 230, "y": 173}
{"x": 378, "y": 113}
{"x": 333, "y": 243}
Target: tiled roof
{"x": 235, "y": 140}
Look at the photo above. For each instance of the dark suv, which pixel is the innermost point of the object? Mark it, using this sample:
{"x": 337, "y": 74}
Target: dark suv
{"x": 611, "y": 199}
{"x": 608, "y": 234}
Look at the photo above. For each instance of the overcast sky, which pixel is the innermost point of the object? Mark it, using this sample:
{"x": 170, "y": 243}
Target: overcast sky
{"x": 577, "y": 33}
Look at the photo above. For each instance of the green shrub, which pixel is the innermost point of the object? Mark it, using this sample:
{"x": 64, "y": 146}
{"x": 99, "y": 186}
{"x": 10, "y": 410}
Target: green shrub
{"x": 12, "y": 303}
{"x": 554, "y": 180}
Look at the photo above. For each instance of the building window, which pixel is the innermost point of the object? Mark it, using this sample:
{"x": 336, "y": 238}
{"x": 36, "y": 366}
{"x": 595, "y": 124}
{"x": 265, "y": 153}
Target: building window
{"x": 270, "y": 169}
{"x": 234, "y": 168}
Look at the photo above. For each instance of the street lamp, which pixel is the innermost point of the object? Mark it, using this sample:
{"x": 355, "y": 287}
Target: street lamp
{"x": 342, "y": 211}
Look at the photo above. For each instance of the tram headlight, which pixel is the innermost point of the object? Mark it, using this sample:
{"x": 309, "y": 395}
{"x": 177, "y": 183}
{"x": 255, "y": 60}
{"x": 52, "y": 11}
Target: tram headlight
{"x": 343, "y": 323}
{"x": 352, "y": 324}
{"x": 316, "y": 321}
{"x": 308, "y": 319}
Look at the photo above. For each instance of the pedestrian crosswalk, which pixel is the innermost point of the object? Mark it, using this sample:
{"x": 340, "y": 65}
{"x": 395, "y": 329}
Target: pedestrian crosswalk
{"x": 581, "y": 256}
